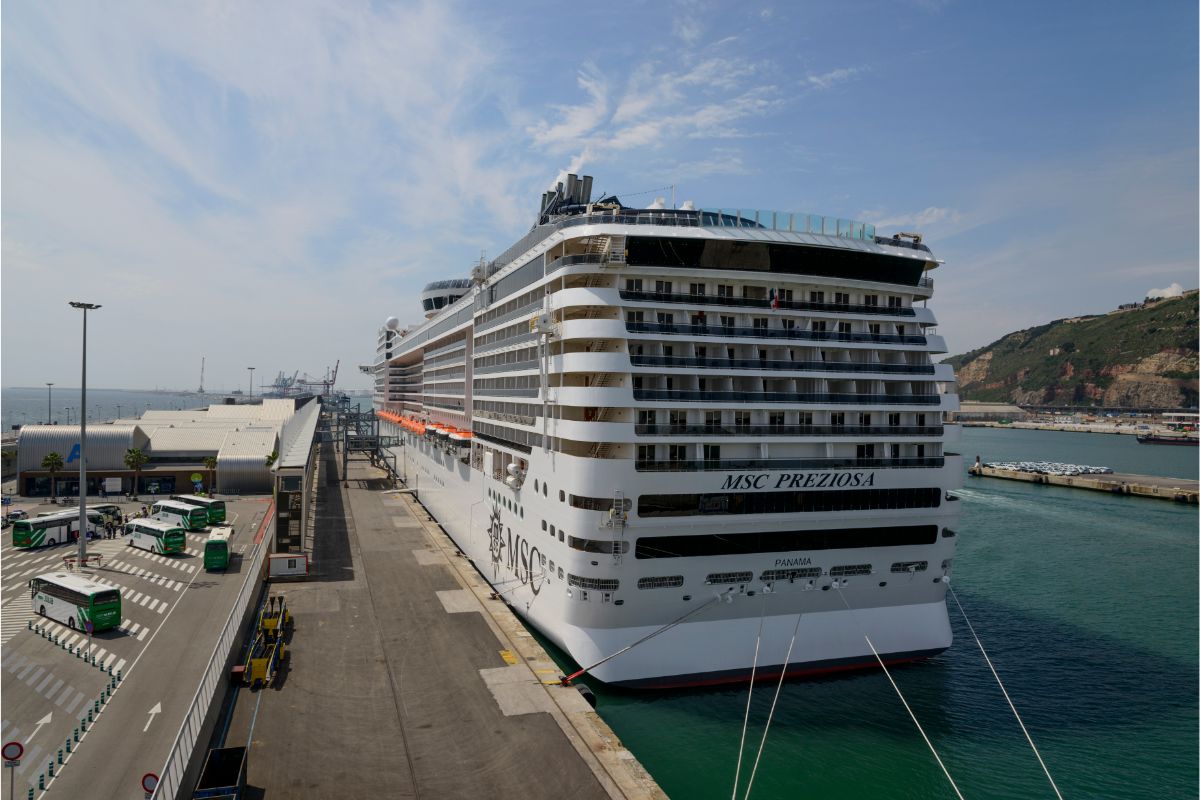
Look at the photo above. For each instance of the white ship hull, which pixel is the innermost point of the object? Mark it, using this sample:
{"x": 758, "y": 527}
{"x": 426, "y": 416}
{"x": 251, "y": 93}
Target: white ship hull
{"x": 689, "y": 446}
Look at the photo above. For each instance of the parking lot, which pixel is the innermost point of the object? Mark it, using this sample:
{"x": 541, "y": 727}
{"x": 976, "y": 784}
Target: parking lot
{"x": 172, "y": 610}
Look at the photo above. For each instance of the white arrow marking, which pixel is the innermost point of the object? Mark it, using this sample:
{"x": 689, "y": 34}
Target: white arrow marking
{"x": 156, "y": 710}
{"x": 43, "y": 721}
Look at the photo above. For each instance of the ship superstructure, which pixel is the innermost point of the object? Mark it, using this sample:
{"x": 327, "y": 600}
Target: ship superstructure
{"x": 703, "y": 433}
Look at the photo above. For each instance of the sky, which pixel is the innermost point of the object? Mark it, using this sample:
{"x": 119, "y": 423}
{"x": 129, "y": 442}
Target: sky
{"x": 263, "y": 184}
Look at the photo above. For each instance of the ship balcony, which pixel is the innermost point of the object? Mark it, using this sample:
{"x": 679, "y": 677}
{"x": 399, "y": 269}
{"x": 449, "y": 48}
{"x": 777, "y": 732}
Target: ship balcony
{"x": 704, "y": 431}
{"x": 794, "y": 334}
{"x": 758, "y": 464}
{"x": 688, "y": 299}
{"x": 755, "y": 364}
{"x": 819, "y": 398}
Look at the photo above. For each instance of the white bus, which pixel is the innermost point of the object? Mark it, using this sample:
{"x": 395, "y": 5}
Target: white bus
{"x": 53, "y": 528}
{"x": 74, "y": 599}
{"x": 193, "y": 518}
{"x": 155, "y": 535}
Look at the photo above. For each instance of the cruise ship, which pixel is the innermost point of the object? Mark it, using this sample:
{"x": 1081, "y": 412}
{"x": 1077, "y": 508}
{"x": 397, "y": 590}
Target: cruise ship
{"x": 689, "y": 446}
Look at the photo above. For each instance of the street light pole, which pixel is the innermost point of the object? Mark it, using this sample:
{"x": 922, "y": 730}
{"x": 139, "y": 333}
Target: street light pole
{"x": 85, "y": 307}
{"x": 118, "y": 410}
{"x": 252, "y": 379}
{"x": 49, "y": 393}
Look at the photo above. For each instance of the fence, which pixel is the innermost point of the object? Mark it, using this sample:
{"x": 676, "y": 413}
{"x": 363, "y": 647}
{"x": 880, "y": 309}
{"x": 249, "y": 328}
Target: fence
{"x": 175, "y": 771}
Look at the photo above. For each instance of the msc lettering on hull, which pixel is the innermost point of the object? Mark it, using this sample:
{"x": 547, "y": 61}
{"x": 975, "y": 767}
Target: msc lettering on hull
{"x": 799, "y": 480}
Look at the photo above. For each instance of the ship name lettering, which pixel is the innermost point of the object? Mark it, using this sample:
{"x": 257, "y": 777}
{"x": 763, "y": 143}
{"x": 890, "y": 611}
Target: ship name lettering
{"x": 801, "y": 480}
{"x": 525, "y": 561}
{"x": 793, "y": 562}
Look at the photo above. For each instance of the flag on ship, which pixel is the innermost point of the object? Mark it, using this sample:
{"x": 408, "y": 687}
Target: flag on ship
{"x": 774, "y": 299}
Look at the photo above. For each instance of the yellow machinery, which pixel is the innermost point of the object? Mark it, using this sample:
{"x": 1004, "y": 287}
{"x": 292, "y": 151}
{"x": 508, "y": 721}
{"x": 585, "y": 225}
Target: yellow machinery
{"x": 268, "y": 649}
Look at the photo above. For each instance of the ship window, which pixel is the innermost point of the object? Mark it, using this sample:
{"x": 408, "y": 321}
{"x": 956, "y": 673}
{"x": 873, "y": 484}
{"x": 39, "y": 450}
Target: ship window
{"x": 595, "y": 584}
{"x": 666, "y": 318}
{"x": 818, "y": 326}
{"x": 873, "y": 328}
{"x": 741, "y": 419}
{"x": 552, "y": 530}
{"x": 598, "y": 503}
{"x": 775, "y": 418}
{"x": 535, "y": 485}
{"x": 788, "y": 324}
{"x": 560, "y": 573}
{"x": 865, "y": 451}
{"x": 837, "y": 418}
{"x": 543, "y": 524}
{"x": 727, "y": 321}
{"x": 662, "y": 287}
{"x": 910, "y": 566}
{"x": 801, "y": 573}
{"x": 816, "y": 297}
{"x": 545, "y": 490}
{"x": 894, "y": 420}
{"x": 602, "y": 546}
{"x": 729, "y": 577}
{"x": 562, "y": 496}
{"x": 561, "y": 536}
{"x": 661, "y": 582}
{"x": 841, "y": 298}
{"x": 633, "y": 284}
{"x": 696, "y": 288}
{"x": 724, "y": 290}
{"x": 870, "y": 300}
{"x": 843, "y": 327}
{"x": 894, "y": 302}
{"x": 787, "y": 502}
{"x": 634, "y": 316}
{"x": 760, "y": 323}
{"x": 726, "y": 544}
{"x": 849, "y": 569}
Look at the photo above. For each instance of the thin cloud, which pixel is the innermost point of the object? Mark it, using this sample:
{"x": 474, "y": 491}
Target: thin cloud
{"x": 830, "y": 79}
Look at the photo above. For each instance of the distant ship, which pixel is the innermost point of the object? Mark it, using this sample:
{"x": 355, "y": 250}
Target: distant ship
{"x": 1159, "y": 438}
{"x": 663, "y": 433}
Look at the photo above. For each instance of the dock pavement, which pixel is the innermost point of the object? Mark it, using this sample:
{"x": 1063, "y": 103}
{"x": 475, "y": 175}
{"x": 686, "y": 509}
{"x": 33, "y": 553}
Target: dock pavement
{"x": 405, "y": 679}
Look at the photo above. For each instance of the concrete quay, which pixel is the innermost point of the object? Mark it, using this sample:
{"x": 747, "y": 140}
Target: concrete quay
{"x": 1180, "y": 490}
{"x": 404, "y": 677}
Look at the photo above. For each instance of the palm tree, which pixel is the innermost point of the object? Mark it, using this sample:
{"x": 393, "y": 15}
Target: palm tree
{"x": 271, "y": 458}
{"x": 135, "y": 459}
{"x": 210, "y": 464}
{"x": 53, "y": 463}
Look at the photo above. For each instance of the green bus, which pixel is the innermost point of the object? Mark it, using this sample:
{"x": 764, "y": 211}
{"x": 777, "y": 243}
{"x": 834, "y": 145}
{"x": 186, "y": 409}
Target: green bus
{"x": 155, "y": 535}
{"x": 216, "y": 548}
{"x": 74, "y": 599}
{"x": 215, "y": 508}
{"x": 53, "y": 528}
{"x": 191, "y": 517}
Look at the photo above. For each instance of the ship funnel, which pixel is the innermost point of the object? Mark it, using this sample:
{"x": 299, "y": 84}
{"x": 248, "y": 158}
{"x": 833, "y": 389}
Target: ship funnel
{"x": 572, "y": 188}
{"x": 585, "y": 190}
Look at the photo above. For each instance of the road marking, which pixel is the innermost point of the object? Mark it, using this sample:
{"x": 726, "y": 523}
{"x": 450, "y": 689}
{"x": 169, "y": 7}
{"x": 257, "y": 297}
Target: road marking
{"x": 43, "y": 721}
{"x": 30, "y": 758}
{"x": 117, "y": 667}
{"x": 36, "y": 674}
{"x": 16, "y": 663}
{"x": 49, "y": 677}
{"x": 3, "y": 729}
{"x": 142, "y": 635}
{"x": 25, "y": 671}
{"x": 50, "y": 694}
{"x": 74, "y": 701}
{"x": 65, "y": 694}
{"x": 163, "y": 607}
{"x": 108, "y": 661}
{"x": 156, "y": 710}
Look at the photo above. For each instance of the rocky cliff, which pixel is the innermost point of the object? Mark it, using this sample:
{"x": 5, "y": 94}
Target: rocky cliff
{"x": 1140, "y": 356}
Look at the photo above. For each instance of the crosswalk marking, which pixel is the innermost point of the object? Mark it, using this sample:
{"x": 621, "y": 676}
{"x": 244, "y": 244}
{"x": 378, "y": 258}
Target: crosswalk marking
{"x": 74, "y": 701}
{"x": 119, "y": 665}
{"x": 142, "y": 635}
{"x": 50, "y": 694}
{"x": 21, "y": 676}
{"x": 65, "y": 694}
{"x": 32, "y": 758}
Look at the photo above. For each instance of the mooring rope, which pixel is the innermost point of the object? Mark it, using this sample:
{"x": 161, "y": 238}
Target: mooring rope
{"x": 771, "y": 714}
{"x": 1000, "y": 683}
{"x": 567, "y": 679}
{"x": 838, "y": 586}
{"x": 737, "y": 773}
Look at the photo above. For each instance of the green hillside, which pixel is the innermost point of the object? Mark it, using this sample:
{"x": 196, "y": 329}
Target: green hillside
{"x": 1143, "y": 357}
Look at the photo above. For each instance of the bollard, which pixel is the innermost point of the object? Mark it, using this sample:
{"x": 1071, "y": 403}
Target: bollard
{"x": 118, "y": 675}
{"x": 30, "y": 793}
{"x": 60, "y": 756}
{"x": 41, "y": 781}
{"x": 50, "y": 770}
{"x": 96, "y": 706}
{"x": 90, "y": 715}
{"x": 30, "y": 624}
{"x": 77, "y": 734}
{"x": 68, "y": 744}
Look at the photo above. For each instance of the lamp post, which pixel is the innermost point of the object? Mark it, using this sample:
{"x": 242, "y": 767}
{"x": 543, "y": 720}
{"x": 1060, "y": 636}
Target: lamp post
{"x": 67, "y": 411}
{"x": 252, "y": 379}
{"x": 85, "y": 307}
{"x": 49, "y": 392}
{"x": 118, "y": 410}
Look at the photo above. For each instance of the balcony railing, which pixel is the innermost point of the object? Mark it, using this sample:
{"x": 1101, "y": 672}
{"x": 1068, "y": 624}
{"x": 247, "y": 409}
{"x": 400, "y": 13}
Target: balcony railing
{"x": 750, "y": 302}
{"x": 789, "y": 430}
{"x": 770, "y": 333}
{"x": 720, "y": 465}
{"x": 778, "y": 364}
{"x": 823, "y": 398}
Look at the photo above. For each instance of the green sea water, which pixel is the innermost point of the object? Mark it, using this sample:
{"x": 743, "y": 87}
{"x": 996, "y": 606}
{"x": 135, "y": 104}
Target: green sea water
{"x": 1087, "y": 604}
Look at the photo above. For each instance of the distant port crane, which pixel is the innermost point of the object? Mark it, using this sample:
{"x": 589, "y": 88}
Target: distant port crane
{"x": 325, "y": 383}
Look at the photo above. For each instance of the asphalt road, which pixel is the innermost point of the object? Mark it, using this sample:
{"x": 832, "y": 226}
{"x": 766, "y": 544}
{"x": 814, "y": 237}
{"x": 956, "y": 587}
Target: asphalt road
{"x": 172, "y": 613}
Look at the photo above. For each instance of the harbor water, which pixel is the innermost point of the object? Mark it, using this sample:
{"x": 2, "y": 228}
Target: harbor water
{"x": 1087, "y": 604}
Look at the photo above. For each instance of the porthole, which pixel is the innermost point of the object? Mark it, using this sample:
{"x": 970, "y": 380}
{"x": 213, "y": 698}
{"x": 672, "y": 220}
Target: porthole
{"x": 545, "y": 490}
{"x": 535, "y": 484}
{"x": 560, "y": 536}
{"x": 562, "y": 496}
{"x": 552, "y": 530}
{"x": 543, "y": 524}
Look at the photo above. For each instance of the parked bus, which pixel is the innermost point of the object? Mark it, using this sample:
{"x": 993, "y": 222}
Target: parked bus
{"x": 74, "y": 599}
{"x": 52, "y": 528}
{"x": 107, "y": 510}
{"x": 191, "y": 517}
{"x": 156, "y": 535}
{"x": 216, "y": 548}
{"x": 215, "y": 508}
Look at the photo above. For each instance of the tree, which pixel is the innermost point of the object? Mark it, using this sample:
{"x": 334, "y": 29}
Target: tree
{"x": 271, "y": 458}
{"x": 210, "y": 464}
{"x": 53, "y": 463}
{"x": 135, "y": 459}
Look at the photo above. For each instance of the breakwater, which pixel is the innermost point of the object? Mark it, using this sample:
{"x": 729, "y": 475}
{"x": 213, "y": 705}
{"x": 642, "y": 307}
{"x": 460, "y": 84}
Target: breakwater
{"x": 1180, "y": 490}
